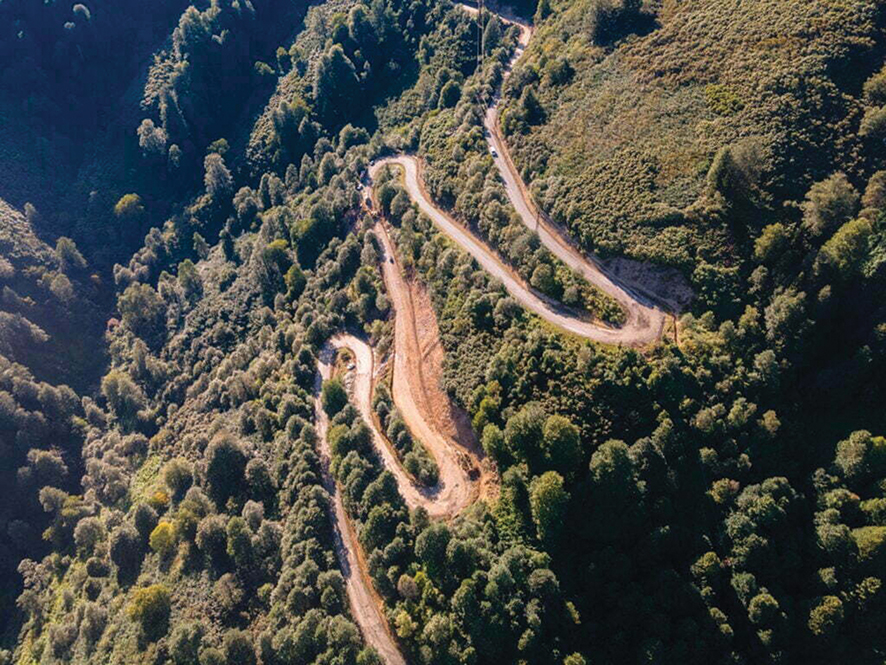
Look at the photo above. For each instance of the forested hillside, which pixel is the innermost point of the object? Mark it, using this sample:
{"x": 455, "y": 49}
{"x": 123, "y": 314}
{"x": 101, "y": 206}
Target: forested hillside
{"x": 50, "y": 323}
{"x": 189, "y": 214}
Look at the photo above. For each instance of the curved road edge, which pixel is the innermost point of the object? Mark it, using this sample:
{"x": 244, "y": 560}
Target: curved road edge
{"x": 457, "y": 453}
{"x": 366, "y": 605}
{"x": 636, "y": 332}
{"x": 454, "y": 491}
{"x": 643, "y": 308}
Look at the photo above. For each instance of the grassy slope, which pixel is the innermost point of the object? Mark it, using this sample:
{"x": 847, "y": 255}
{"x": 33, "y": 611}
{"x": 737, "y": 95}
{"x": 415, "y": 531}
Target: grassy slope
{"x": 632, "y": 134}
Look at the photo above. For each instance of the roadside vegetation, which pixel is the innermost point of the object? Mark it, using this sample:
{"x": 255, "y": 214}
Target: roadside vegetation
{"x": 621, "y": 112}
{"x": 462, "y": 177}
{"x": 412, "y": 453}
{"x": 719, "y": 500}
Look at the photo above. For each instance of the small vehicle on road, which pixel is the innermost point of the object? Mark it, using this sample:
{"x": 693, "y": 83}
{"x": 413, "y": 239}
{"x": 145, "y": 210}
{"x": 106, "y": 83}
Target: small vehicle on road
{"x": 493, "y": 152}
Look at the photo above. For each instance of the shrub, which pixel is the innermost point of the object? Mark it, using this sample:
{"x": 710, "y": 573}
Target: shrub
{"x": 548, "y": 500}
{"x": 145, "y": 519}
{"x": 126, "y": 552}
{"x": 334, "y": 396}
{"x": 875, "y": 88}
{"x": 143, "y": 312}
{"x": 69, "y": 257}
{"x": 88, "y": 533}
{"x": 184, "y": 644}
{"x": 124, "y": 397}
{"x": 826, "y": 617}
{"x": 873, "y": 124}
{"x": 562, "y": 445}
{"x": 217, "y": 178}
{"x": 129, "y": 208}
{"x": 763, "y": 609}
{"x": 163, "y": 539}
{"x": 829, "y": 204}
{"x": 150, "y": 607}
{"x": 225, "y": 466}
{"x": 238, "y": 648}
{"x": 212, "y": 538}
{"x": 845, "y": 252}
{"x": 178, "y": 477}
{"x": 771, "y": 243}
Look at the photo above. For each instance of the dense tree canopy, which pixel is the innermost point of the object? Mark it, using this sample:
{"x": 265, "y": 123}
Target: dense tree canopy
{"x": 715, "y": 498}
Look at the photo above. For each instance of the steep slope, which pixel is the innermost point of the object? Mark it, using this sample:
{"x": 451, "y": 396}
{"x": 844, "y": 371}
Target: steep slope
{"x": 51, "y": 328}
{"x": 717, "y": 498}
{"x": 617, "y": 111}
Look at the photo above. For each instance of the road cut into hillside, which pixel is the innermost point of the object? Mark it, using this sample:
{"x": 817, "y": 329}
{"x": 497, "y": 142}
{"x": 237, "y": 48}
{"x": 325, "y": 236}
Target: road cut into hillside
{"x": 464, "y": 473}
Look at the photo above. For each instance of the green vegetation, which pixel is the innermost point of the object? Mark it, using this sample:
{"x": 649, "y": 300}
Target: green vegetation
{"x": 417, "y": 565}
{"x": 334, "y": 396}
{"x": 415, "y": 457}
{"x": 720, "y": 500}
{"x": 461, "y": 176}
{"x": 150, "y": 608}
{"x": 629, "y": 122}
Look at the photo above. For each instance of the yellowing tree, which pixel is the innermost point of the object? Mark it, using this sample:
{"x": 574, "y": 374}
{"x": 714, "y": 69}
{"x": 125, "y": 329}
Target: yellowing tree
{"x": 150, "y": 608}
{"x": 162, "y": 538}
{"x": 129, "y": 208}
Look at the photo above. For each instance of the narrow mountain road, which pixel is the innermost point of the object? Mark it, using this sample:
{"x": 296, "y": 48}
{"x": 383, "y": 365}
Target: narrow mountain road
{"x": 424, "y": 406}
{"x": 455, "y": 490}
{"x": 427, "y": 410}
{"x": 644, "y": 319}
{"x": 366, "y": 606}
{"x": 642, "y": 327}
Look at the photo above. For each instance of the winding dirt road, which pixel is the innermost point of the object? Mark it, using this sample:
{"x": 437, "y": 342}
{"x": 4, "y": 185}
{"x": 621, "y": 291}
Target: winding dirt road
{"x": 427, "y": 410}
{"x": 424, "y": 406}
{"x": 643, "y": 326}
{"x": 455, "y": 489}
{"x": 366, "y": 606}
{"x": 644, "y": 318}
{"x": 463, "y": 471}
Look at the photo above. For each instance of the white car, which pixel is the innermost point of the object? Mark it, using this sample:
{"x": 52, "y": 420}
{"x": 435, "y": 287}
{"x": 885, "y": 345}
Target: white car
{"x": 492, "y": 151}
